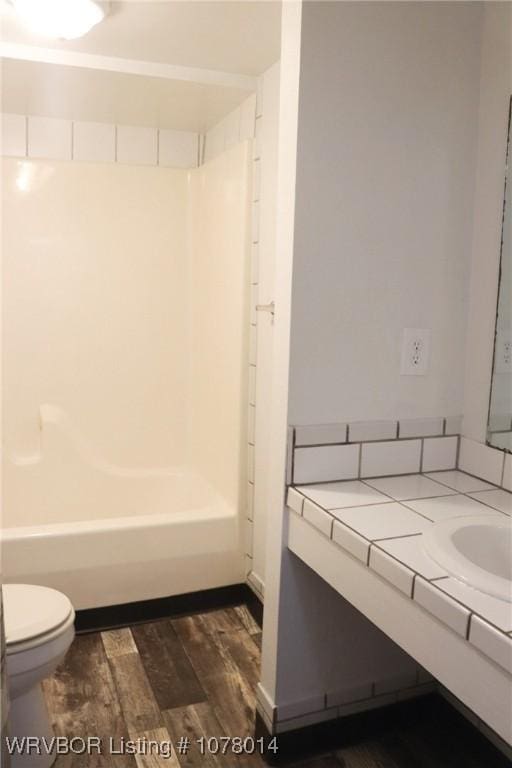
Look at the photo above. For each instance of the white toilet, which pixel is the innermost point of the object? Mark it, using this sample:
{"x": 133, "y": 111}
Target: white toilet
{"x": 38, "y": 632}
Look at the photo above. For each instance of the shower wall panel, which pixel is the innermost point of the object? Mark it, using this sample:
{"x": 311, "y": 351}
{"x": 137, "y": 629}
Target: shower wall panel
{"x": 95, "y": 266}
{"x": 219, "y": 317}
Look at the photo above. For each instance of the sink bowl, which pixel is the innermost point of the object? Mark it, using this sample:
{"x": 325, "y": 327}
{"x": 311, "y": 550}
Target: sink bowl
{"x": 476, "y": 550}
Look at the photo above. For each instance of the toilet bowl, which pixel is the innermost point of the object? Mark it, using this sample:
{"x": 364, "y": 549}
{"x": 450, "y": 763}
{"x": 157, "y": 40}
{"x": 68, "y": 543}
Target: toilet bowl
{"x": 38, "y": 632}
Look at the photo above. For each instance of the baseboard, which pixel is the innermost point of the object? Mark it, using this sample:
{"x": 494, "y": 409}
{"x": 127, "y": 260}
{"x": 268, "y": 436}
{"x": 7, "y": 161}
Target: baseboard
{"x": 126, "y": 614}
{"x": 255, "y": 583}
{"x": 341, "y": 732}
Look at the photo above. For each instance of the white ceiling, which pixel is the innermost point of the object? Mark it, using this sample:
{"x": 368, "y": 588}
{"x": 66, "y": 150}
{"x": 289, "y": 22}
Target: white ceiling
{"x": 238, "y": 36}
{"x": 76, "y": 93}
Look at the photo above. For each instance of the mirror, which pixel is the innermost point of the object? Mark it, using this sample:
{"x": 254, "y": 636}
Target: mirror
{"x": 499, "y": 429}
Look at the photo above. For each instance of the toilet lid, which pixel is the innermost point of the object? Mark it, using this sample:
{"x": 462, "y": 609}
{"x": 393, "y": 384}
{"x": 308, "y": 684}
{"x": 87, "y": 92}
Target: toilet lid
{"x": 30, "y": 611}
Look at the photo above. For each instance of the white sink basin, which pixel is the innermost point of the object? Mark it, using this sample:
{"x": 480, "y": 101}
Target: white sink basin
{"x": 475, "y": 550}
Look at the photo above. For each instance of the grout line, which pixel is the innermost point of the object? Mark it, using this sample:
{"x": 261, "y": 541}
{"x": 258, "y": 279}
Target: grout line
{"x": 483, "y": 480}
{"x": 389, "y": 498}
{"x": 436, "y": 496}
{"x": 436, "y": 435}
{"x": 403, "y": 503}
{"x": 352, "y": 506}
{"x": 392, "y": 538}
{"x": 444, "y": 426}
{"x": 488, "y": 506}
{"x": 342, "y": 522}
{"x": 316, "y": 528}
{"x": 464, "y": 605}
{"x": 373, "y": 442}
{"x": 398, "y": 429}
{"x": 464, "y": 493}
{"x": 360, "y": 461}
{"x": 433, "y": 581}
{"x": 418, "y": 498}
{"x": 422, "y": 450}
{"x": 445, "y": 485}
{"x": 324, "y": 445}
{"x": 401, "y": 536}
{"x": 421, "y": 514}
{"x": 367, "y": 480}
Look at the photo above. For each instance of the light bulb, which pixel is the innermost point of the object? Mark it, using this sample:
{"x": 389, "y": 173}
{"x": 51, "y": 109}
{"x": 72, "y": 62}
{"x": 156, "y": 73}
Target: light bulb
{"x": 66, "y": 19}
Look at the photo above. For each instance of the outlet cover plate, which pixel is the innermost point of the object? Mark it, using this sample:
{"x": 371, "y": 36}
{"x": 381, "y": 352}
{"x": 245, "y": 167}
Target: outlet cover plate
{"x": 415, "y": 352}
{"x": 503, "y": 353}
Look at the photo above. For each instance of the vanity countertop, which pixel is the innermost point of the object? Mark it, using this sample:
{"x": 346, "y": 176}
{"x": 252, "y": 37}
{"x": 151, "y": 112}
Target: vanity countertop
{"x": 381, "y": 522}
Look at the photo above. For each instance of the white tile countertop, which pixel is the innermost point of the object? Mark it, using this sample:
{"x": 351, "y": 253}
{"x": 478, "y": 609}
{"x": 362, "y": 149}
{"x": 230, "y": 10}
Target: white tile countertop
{"x": 381, "y": 521}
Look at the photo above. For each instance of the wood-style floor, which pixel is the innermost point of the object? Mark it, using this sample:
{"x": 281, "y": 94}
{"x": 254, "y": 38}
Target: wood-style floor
{"x": 196, "y": 676}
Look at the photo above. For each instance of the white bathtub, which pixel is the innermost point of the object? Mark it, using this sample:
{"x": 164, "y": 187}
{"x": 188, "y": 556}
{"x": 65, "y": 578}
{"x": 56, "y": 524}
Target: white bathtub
{"x": 113, "y": 535}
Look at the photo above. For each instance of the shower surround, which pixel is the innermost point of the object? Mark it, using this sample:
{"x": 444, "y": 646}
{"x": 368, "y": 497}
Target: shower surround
{"x": 125, "y": 380}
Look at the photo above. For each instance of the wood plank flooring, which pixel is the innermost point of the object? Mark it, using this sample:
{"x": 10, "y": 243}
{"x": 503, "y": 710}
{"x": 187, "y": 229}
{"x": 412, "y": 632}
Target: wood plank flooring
{"x": 195, "y": 677}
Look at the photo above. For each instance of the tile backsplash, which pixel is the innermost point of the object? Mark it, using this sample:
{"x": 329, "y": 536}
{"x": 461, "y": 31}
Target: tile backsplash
{"x": 345, "y": 451}
{"x": 477, "y": 459}
{"x": 348, "y": 451}
{"x": 391, "y": 457}
{"x": 322, "y": 463}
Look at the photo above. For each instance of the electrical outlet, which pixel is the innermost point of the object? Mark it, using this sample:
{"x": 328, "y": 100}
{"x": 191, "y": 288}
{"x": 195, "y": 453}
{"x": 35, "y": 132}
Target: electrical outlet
{"x": 503, "y": 354}
{"x": 415, "y": 352}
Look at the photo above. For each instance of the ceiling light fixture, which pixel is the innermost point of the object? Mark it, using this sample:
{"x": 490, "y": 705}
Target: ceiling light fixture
{"x": 67, "y": 19}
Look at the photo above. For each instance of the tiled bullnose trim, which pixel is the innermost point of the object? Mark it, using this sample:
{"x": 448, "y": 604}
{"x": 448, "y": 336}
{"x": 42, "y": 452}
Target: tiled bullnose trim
{"x": 45, "y": 138}
{"x": 334, "y": 733}
{"x": 323, "y": 707}
{"x": 390, "y": 548}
